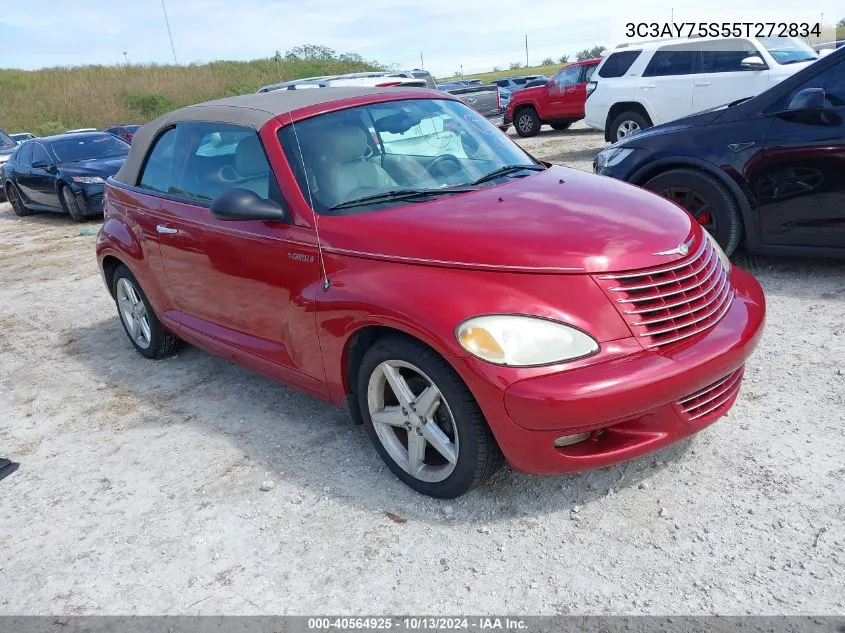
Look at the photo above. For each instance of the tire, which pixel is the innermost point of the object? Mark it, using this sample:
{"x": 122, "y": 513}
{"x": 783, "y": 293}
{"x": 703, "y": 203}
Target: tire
{"x": 526, "y": 122}
{"x": 628, "y": 123}
{"x": 16, "y": 201}
{"x": 561, "y": 125}
{"x": 505, "y": 128}
{"x": 150, "y": 339}
{"x": 70, "y": 204}
{"x": 455, "y": 416}
{"x": 706, "y": 199}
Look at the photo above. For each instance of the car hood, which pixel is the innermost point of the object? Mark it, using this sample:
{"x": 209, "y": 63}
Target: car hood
{"x": 102, "y": 167}
{"x": 557, "y": 221}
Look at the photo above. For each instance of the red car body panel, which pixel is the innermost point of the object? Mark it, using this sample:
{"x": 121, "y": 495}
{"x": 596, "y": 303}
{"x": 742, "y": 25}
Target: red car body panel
{"x": 252, "y": 292}
{"x": 552, "y": 101}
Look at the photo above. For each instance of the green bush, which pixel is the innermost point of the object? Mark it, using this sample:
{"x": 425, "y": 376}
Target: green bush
{"x": 146, "y": 105}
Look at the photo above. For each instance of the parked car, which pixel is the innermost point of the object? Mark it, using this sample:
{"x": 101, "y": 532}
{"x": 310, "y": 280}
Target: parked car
{"x": 558, "y": 102}
{"x": 20, "y": 137}
{"x": 769, "y": 171}
{"x": 123, "y": 132}
{"x": 63, "y": 174}
{"x": 640, "y": 85}
{"x": 504, "y": 97}
{"x": 549, "y": 344}
{"x": 8, "y": 145}
{"x": 511, "y": 83}
{"x": 486, "y": 100}
{"x": 378, "y": 79}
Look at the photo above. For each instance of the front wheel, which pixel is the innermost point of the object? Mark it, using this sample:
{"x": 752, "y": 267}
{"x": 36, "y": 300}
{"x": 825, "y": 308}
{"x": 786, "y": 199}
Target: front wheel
{"x": 422, "y": 419}
{"x": 141, "y": 324}
{"x": 706, "y": 199}
{"x": 527, "y": 123}
{"x": 70, "y": 204}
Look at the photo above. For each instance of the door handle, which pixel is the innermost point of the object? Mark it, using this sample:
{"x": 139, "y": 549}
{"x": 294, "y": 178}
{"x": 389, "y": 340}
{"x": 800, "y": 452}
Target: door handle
{"x": 702, "y": 83}
{"x": 647, "y": 86}
{"x": 160, "y": 228}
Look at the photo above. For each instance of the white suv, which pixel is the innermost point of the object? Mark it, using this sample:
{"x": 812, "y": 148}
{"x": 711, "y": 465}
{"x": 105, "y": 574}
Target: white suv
{"x": 648, "y": 83}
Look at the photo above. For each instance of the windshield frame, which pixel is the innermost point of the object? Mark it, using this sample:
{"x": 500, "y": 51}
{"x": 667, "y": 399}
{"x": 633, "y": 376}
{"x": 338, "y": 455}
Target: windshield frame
{"x": 768, "y": 43}
{"x": 70, "y": 138}
{"x": 495, "y": 150}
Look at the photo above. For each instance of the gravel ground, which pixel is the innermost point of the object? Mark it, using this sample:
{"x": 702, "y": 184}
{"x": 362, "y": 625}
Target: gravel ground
{"x": 139, "y": 490}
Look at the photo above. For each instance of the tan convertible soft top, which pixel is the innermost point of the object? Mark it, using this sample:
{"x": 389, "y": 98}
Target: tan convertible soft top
{"x": 252, "y": 110}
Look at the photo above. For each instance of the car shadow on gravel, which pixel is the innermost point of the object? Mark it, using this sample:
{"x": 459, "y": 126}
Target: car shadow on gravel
{"x": 306, "y": 443}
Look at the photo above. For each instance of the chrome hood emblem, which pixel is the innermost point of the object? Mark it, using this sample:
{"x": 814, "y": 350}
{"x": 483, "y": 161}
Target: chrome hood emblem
{"x": 680, "y": 249}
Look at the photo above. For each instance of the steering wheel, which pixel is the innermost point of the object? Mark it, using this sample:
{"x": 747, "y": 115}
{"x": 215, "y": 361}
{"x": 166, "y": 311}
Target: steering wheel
{"x": 435, "y": 166}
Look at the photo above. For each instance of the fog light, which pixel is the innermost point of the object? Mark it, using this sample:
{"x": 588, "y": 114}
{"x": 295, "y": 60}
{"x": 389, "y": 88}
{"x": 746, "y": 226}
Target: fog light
{"x": 569, "y": 440}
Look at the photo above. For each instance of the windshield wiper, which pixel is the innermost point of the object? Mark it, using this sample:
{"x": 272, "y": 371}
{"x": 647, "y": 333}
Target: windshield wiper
{"x": 504, "y": 171}
{"x": 400, "y": 194}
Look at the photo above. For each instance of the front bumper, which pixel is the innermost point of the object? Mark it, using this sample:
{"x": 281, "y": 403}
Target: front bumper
{"x": 90, "y": 199}
{"x": 634, "y": 403}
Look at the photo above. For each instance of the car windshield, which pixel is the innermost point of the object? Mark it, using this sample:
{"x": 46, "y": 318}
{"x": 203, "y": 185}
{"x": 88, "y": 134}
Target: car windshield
{"x": 398, "y": 152}
{"x": 6, "y": 141}
{"x": 788, "y": 50}
{"x": 89, "y": 147}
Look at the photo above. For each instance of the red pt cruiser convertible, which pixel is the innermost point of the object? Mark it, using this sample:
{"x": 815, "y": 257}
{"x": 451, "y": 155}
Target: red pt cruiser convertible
{"x": 393, "y": 252}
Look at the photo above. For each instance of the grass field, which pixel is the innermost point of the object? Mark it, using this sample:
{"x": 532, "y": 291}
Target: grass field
{"x": 548, "y": 71}
{"x": 53, "y": 100}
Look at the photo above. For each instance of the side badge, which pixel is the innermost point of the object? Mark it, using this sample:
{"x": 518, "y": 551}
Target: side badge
{"x": 738, "y": 147}
{"x": 301, "y": 257}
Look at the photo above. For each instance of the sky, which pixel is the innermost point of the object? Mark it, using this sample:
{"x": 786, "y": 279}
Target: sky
{"x": 451, "y": 35}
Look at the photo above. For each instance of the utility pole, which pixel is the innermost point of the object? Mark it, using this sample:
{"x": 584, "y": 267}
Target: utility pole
{"x": 126, "y": 57}
{"x": 169, "y": 34}
{"x": 422, "y": 65}
{"x": 526, "y": 50}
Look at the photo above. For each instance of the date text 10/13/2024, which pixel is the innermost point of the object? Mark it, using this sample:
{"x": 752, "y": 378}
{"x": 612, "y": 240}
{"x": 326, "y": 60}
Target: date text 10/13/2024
{"x": 412, "y": 623}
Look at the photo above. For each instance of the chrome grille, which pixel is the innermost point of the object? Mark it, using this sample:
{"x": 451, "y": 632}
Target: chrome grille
{"x": 670, "y": 303}
{"x": 711, "y": 399}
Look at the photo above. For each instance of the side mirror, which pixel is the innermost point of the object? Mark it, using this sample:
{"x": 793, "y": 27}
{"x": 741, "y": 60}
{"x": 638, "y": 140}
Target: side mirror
{"x": 42, "y": 164}
{"x": 807, "y": 99}
{"x": 753, "y": 63}
{"x": 243, "y": 204}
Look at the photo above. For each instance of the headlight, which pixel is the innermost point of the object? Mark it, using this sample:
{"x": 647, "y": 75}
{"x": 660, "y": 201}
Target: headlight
{"x": 726, "y": 262}
{"x": 88, "y": 180}
{"x": 522, "y": 341}
{"x": 4, "y": 157}
{"x": 611, "y": 157}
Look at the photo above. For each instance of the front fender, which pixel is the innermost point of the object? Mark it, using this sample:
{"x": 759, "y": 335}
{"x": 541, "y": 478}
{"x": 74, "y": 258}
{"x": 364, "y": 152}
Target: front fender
{"x": 428, "y": 303}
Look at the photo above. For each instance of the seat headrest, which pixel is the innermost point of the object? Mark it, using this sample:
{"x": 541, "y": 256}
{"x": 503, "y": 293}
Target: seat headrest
{"x": 249, "y": 157}
{"x": 344, "y": 143}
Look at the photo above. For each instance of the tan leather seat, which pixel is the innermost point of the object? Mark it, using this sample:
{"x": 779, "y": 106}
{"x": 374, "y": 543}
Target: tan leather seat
{"x": 252, "y": 167}
{"x": 342, "y": 165}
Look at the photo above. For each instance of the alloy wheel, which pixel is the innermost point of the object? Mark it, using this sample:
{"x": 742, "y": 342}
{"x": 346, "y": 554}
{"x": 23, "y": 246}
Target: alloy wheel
{"x": 133, "y": 312}
{"x": 626, "y": 129}
{"x": 696, "y": 205}
{"x": 413, "y": 421}
{"x": 526, "y": 123}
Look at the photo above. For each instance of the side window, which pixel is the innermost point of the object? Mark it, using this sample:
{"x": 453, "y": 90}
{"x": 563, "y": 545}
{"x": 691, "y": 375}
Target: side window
{"x": 25, "y": 154}
{"x": 588, "y": 72}
{"x": 40, "y": 154}
{"x": 210, "y": 158}
{"x": 568, "y": 76}
{"x": 725, "y": 56}
{"x": 618, "y": 64}
{"x": 834, "y": 89}
{"x": 670, "y": 60}
{"x": 156, "y": 173}
{"x": 826, "y": 80}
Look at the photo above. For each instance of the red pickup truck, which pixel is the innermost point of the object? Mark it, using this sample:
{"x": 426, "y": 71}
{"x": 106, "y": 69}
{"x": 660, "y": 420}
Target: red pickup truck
{"x": 560, "y": 102}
